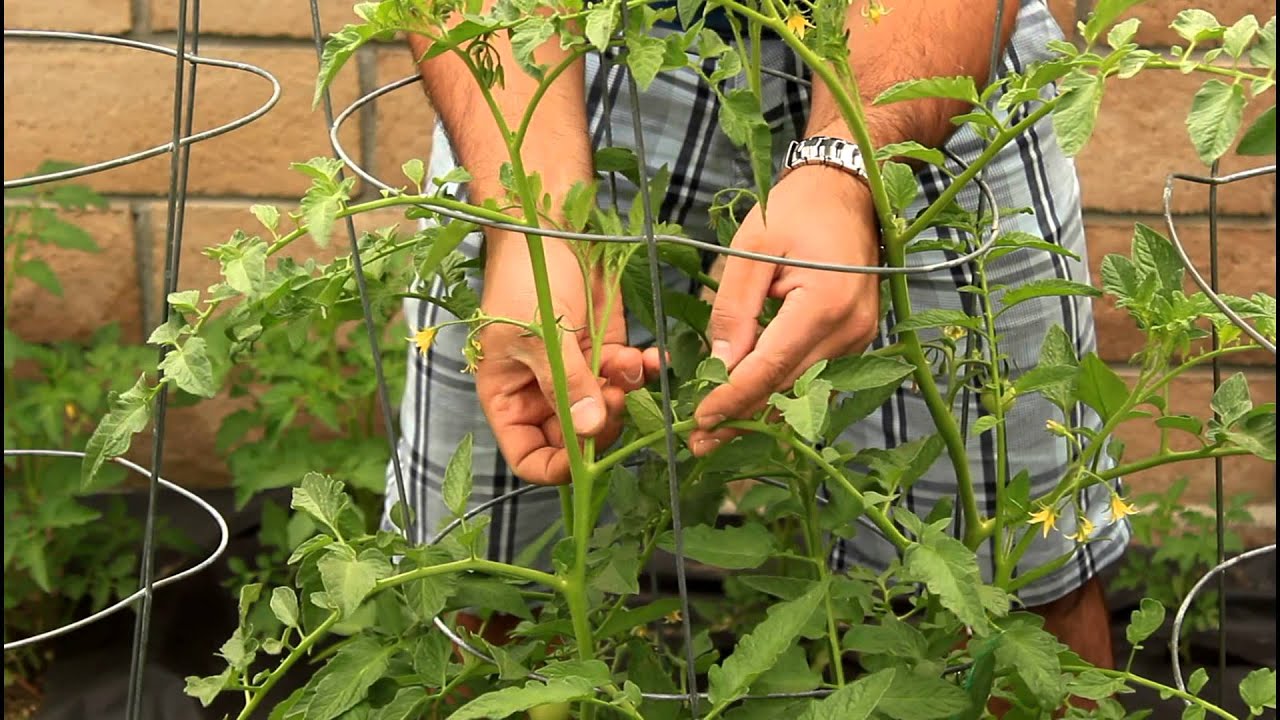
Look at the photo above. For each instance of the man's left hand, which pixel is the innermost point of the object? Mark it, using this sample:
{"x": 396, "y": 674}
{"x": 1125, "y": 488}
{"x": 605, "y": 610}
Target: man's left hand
{"x": 815, "y": 213}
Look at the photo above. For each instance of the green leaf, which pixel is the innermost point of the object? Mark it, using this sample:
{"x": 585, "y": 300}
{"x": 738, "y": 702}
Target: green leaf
{"x": 1195, "y": 25}
{"x": 1185, "y": 423}
{"x": 1237, "y": 37}
{"x": 510, "y": 700}
{"x": 284, "y": 605}
{"x": 323, "y": 498}
{"x": 166, "y": 334}
{"x": 444, "y": 241}
{"x": 1093, "y": 685}
{"x": 1197, "y": 680}
{"x": 731, "y": 548}
{"x": 985, "y": 423}
{"x": 579, "y": 201}
{"x": 337, "y": 51}
{"x": 602, "y": 19}
{"x": 595, "y": 672}
{"x": 1260, "y": 138}
{"x": 527, "y": 37}
{"x": 1044, "y": 376}
{"x": 865, "y": 372}
{"x": 1122, "y": 33}
{"x": 268, "y": 215}
{"x": 1144, "y": 621}
{"x": 39, "y": 272}
{"x": 1231, "y": 401}
{"x": 644, "y": 57}
{"x": 1153, "y": 254}
{"x": 911, "y": 149}
{"x": 954, "y": 88}
{"x": 416, "y": 171}
{"x": 921, "y": 696}
{"x": 950, "y": 570}
{"x": 130, "y": 413}
{"x": 808, "y": 413}
{"x": 1256, "y": 433}
{"x": 206, "y": 689}
{"x": 1104, "y": 13}
{"x": 1263, "y": 53}
{"x": 619, "y": 573}
{"x": 791, "y": 674}
{"x": 1217, "y": 111}
{"x": 1047, "y": 287}
{"x": 890, "y": 637}
{"x": 855, "y": 701}
{"x": 320, "y": 206}
{"x": 644, "y": 412}
{"x": 1258, "y": 690}
{"x": 1026, "y": 649}
{"x": 759, "y": 650}
{"x": 1077, "y": 110}
{"x": 346, "y": 679}
{"x": 245, "y": 269}
{"x": 190, "y": 368}
{"x": 184, "y": 301}
{"x": 1100, "y": 387}
{"x": 457, "y": 478}
{"x": 65, "y": 235}
{"x": 936, "y": 318}
{"x": 900, "y": 184}
{"x": 348, "y": 578}
{"x": 404, "y": 706}
{"x": 1119, "y": 276}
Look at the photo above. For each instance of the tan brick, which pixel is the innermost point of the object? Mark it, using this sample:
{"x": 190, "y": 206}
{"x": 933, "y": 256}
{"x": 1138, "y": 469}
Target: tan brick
{"x": 404, "y": 121}
{"x": 190, "y": 457}
{"x": 1247, "y": 264}
{"x": 97, "y": 288}
{"x": 250, "y": 18}
{"x": 85, "y": 104}
{"x": 1190, "y": 394}
{"x": 1157, "y": 15}
{"x": 104, "y": 17}
{"x": 1141, "y": 137}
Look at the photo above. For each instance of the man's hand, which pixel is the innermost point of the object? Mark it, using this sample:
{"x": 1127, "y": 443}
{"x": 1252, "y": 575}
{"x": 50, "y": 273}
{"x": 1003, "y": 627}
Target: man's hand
{"x": 513, "y": 378}
{"x": 815, "y": 213}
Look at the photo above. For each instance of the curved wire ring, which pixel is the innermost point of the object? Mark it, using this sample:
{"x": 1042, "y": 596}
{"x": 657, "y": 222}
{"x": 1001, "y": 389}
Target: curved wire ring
{"x": 158, "y": 149}
{"x": 980, "y": 250}
{"x": 224, "y": 537}
{"x": 1180, "y": 616}
{"x": 1196, "y": 277}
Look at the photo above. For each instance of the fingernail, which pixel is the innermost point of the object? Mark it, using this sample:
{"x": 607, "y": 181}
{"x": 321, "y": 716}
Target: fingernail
{"x": 710, "y": 421}
{"x": 585, "y": 413}
{"x": 720, "y": 349}
{"x": 633, "y": 379}
{"x": 706, "y": 446}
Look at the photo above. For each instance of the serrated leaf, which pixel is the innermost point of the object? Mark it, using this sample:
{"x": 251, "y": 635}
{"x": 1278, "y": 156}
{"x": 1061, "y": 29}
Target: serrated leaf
{"x": 190, "y": 368}
{"x": 349, "y": 578}
{"x": 911, "y": 149}
{"x": 757, "y": 652}
{"x": 1093, "y": 685}
{"x": 1100, "y": 387}
{"x": 936, "y": 318}
{"x": 1077, "y": 110}
{"x": 985, "y": 423}
{"x": 806, "y": 414}
{"x": 919, "y": 696}
{"x": 458, "y": 479}
{"x": 39, "y": 272}
{"x": 130, "y": 413}
{"x": 510, "y": 700}
{"x": 268, "y": 215}
{"x": 284, "y": 605}
{"x": 1195, "y": 25}
{"x": 1263, "y": 53}
{"x": 245, "y": 269}
{"x": 1026, "y": 649}
{"x": 644, "y": 412}
{"x": 1258, "y": 690}
{"x": 1197, "y": 680}
{"x": 1260, "y": 138}
{"x": 1256, "y": 433}
{"x": 1122, "y": 33}
{"x": 899, "y": 184}
{"x": 323, "y": 498}
{"x": 855, "y": 701}
{"x": 731, "y": 548}
{"x": 1237, "y": 37}
{"x": 346, "y": 679}
{"x": 404, "y": 706}
{"x": 1104, "y": 13}
{"x": 890, "y": 636}
{"x": 166, "y": 334}
{"x": 1217, "y": 111}
{"x": 950, "y": 571}
{"x": 206, "y": 689}
{"x": 65, "y": 235}
{"x": 865, "y": 372}
{"x": 1046, "y": 287}
{"x": 954, "y": 88}
{"x": 602, "y": 19}
{"x": 1231, "y": 401}
{"x": 1144, "y": 621}
{"x": 644, "y": 57}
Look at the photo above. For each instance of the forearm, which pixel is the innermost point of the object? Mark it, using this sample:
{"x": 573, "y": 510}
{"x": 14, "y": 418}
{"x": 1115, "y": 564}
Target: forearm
{"x": 556, "y": 147}
{"x": 915, "y": 39}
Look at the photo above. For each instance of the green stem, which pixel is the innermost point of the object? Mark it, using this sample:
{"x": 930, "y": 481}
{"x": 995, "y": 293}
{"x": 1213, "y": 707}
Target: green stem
{"x": 1165, "y": 459}
{"x": 1002, "y": 438}
{"x": 1234, "y": 73}
{"x": 471, "y": 564}
{"x": 599, "y": 467}
{"x": 817, "y": 552}
{"x": 303, "y": 646}
{"x": 1161, "y": 687}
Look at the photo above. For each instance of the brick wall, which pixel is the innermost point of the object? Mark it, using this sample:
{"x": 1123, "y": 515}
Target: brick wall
{"x": 84, "y": 103}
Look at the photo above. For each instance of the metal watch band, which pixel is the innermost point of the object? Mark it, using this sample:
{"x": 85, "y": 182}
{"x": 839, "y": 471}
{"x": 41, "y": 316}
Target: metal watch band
{"x": 823, "y": 150}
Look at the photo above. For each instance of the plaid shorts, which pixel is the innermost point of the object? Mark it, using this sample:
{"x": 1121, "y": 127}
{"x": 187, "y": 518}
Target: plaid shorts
{"x": 681, "y": 130}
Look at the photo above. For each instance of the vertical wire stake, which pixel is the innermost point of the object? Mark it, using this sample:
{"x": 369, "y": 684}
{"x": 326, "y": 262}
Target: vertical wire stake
{"x": 1219, "y": 494}
{"x": 664, "y": 383}
{"x": 173, "y": 247}
{"x": 362, "y": 286}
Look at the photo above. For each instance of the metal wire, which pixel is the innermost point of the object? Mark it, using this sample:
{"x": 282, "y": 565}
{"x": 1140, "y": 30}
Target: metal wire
{"x": 224, "y": 536}
{"x": 186, "y": 139}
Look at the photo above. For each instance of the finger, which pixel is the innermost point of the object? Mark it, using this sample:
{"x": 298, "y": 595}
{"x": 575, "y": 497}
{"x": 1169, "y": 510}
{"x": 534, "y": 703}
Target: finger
{"x": 776, "y": 359}
{"x": 586, "y": 402}
{"x": 652, "y": 363}
{"x": 622, "y": 366}
{"x": 732, "y": 328}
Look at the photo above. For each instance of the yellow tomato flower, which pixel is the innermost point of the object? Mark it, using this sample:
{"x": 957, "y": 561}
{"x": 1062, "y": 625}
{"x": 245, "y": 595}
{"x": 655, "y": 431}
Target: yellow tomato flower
{"x": 1045, "y": 516}
{"x": 1057, "y": 428}
{"x": 1120, "y": 508}
{"x": 423, "y": 339}
{"x": 798, "y": 24}
{"x": 71, "y": 411}
{"x": 1083, "y": 531}
{"x": 953, "y": 332}
{"x": 875, "y": 12}
{"x": 672, "y": 617}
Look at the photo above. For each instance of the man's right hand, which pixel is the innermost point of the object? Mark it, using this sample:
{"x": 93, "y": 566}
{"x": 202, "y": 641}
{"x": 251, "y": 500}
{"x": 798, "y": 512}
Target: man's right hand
{"x": 513, "y": 377}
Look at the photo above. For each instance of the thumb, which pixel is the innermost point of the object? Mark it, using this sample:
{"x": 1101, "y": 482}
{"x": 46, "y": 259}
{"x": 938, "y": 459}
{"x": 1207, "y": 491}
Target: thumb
{"x": 586, "y": 400}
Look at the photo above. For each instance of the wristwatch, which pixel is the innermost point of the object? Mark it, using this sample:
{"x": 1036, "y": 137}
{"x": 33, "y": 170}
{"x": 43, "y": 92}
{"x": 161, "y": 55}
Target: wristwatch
{"x": 823, "y": 150}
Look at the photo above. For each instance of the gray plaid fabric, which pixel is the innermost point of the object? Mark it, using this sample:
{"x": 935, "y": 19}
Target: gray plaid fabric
{"x": 681, "y": 131}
